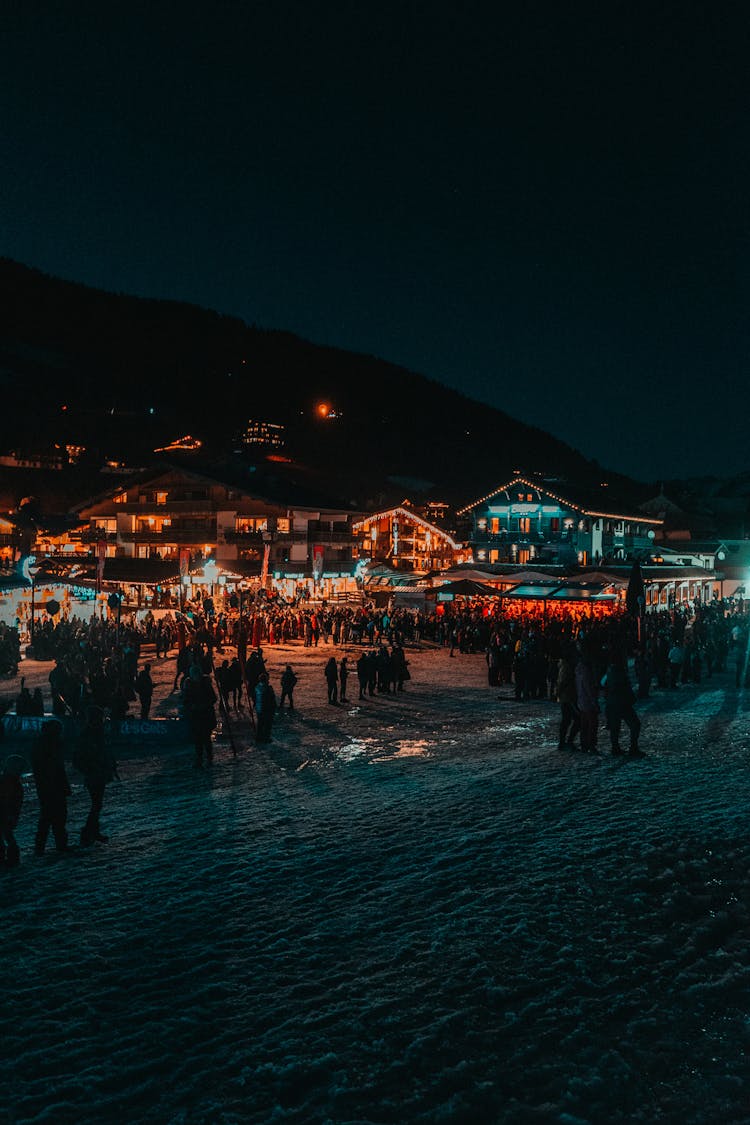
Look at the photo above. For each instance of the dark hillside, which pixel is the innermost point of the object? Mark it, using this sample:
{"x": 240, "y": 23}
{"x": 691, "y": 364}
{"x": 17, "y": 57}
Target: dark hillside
{"x": 123, "y": 375}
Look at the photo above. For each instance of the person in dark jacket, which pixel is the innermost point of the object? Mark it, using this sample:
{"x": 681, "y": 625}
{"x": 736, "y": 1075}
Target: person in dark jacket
{"x": 95, "y": 760}
{"x": 618, "y": 708}
{"x": 343, "y": 677}
{"x": 52, "y": 787}
{"x": 567, "y": 697}
{"x": 144, "y": 689}
{"x": 265, "y": 708}
{"x": 331, "y": 677}
{"x": 288, "y": 682}
{"x": 363, "y": 673}
{"x": 587, "y": 702}
{"x": 11, "y": 800}
{"x": 199, "y": 699}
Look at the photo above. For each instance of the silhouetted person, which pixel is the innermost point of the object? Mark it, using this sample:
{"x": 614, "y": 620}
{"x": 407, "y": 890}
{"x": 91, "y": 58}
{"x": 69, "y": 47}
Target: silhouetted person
{"x": 288, "y": 682}
{"x": 618, "y": 708}
{"x": 199, "y": 699}
{"x": 52, "y": 787}
{"x": 265, "y": 708}
{"x": 144, "y": 689}
{"x": 95, "y": 760}
{"x": 11, "y": 800}
{"x": 343, "y": 677}
{"x": 331, "y": 677}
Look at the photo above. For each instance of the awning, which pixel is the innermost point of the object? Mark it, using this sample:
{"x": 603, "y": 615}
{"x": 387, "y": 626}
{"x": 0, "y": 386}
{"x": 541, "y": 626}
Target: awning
{"x": 141, "y": 572}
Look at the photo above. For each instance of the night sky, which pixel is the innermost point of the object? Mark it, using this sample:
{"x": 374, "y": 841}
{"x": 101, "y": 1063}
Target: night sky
{"x": 543, "y": 204}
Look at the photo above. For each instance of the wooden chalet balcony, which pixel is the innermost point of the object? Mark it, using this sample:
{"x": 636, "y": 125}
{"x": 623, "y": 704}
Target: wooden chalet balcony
{"x": 318, "y": 536}
{"x": 169, "y": 535}
{"x": 96, "y": 535}
{"x": 498, "y": 538}
{"x": 249, "y": 538}
{"x": 174, "y": 507}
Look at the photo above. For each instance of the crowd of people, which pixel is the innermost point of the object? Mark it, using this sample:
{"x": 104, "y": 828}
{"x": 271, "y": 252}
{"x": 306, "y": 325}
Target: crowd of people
{"x": 579, "y": 662}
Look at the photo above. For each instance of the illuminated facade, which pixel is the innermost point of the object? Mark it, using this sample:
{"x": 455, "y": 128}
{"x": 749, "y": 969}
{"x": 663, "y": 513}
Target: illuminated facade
{"x": 523, "y": 521}
{"x": 406, "y": 541}
{"x": 188, "y": 517}
{"x": 268, "y": 435}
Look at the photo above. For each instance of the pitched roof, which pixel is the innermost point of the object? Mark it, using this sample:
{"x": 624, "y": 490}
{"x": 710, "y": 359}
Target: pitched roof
{"x": 588, "y": 502}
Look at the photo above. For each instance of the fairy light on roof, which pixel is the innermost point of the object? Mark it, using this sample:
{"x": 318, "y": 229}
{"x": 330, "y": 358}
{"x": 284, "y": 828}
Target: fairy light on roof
{"x": 560, "y": 500}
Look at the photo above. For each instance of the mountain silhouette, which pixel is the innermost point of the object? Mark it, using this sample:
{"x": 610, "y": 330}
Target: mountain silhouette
{"x": 123, "y": 375}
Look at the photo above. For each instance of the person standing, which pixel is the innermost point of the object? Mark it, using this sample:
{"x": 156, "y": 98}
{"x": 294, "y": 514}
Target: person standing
{"x": 11, "y": 800}
{"x": 588, "y": 703}
{"x": 52, "y": 787}
{"x": 144, "y": 689}
{"x": 618, "y": 708}
{"x": 265, "y": 708}
{"x": 199, "y": 701}
{"x": 567, "y": 697}
{"x": 363, "y": 673}
{"x": 676, "y": 657}
{"x": 331, "y": 676}
{"x": 343, "y": 677}
{"x": 95, "y": 760}
{"x": 288, "y": 682}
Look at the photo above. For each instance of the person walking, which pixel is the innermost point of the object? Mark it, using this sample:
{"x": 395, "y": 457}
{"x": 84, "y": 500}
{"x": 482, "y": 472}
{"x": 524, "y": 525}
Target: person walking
{"x": 288, "y": 683}
{"x": 52, "y": 787}
{"x": 95, "y": 760}
{"x": 331, "y": 677}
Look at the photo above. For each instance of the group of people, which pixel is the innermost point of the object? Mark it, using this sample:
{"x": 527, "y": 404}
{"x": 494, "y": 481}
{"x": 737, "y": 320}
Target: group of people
{"x": 92, "y": 758}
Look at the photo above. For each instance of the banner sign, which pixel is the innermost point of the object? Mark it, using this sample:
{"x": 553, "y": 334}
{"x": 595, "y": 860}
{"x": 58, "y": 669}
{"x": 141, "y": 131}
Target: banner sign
{"x": 264, "y": 567}
{"x": 318, "y": 556}
{"x": 101, "y": 554}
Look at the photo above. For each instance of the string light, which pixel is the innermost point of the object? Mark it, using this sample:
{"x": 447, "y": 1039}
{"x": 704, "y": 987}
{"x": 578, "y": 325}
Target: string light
{"x": 560, "y": 500}
{"x": 391, "y": 512}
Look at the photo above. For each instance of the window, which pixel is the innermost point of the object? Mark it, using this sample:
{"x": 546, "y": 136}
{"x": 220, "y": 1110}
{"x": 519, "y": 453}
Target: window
{"x": 122, "y": 498}
{"x": 529, "y": 498}
{"x": 161, "y": 497}
{"x": 524, "y": 525}
{"x": 554, "y": 524}
{"x": 282, "y": 524}
{"x": 495, "y": 525}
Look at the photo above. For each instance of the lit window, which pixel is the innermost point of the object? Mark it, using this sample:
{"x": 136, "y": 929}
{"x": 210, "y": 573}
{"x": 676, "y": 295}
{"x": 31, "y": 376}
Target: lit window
{"x": 282, "y": 525}
{"x": 161, "y": 497}
{"x": 122, "y": 498}
{"x": 529, "y": 497}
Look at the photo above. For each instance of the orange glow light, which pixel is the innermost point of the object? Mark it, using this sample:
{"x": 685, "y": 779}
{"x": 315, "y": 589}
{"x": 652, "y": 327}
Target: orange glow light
{"x": 323, "y": 409}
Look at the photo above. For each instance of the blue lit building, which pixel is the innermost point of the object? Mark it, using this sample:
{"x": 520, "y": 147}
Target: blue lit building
{"x": 523, "y": 521}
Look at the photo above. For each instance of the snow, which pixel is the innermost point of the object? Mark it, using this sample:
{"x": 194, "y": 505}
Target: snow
{"x": 440, "y": 918}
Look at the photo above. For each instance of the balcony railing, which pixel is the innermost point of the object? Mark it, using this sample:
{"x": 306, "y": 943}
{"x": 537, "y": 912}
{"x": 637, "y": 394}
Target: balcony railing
{"x": 169, "y": 535}
{"x": 97, "y": 534}
{"x": 498, "y": 538}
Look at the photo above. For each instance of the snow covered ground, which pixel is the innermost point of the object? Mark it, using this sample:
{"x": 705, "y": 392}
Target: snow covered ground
{"x": 439, "y": 918}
